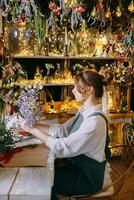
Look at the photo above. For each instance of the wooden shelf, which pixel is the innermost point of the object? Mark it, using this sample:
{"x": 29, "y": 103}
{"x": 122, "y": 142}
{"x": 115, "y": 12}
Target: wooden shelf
{"x": 70, "y": 57}
{"x": 111, "y": 115}
{"x": 56, "y": 84}
{"x": 121, "y": 115}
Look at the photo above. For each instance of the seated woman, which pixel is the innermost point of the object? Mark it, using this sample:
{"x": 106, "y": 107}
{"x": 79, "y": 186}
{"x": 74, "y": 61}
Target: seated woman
{"x": 83, "y": 139}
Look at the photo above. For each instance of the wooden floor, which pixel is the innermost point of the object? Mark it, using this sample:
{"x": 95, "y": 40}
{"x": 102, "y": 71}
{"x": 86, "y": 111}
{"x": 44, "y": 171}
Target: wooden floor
{"x": 127, "y": 192}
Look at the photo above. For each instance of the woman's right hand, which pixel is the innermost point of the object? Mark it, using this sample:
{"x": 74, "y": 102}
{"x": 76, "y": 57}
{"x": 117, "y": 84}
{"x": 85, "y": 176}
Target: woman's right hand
{"x": 27, "y": 126}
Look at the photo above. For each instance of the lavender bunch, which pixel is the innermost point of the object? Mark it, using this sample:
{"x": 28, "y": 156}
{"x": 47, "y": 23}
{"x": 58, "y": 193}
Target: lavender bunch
{"x": 29, "y": 107}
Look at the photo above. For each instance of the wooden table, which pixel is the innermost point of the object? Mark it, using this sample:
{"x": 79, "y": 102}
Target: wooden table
{"x": 27, "y": 183}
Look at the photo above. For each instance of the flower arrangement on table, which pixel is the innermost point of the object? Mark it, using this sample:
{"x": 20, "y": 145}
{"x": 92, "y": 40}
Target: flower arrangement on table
{"x": 7, "y": 138}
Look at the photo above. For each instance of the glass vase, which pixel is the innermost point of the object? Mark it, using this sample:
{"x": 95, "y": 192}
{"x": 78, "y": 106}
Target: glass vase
{"x": 20, "y": 39}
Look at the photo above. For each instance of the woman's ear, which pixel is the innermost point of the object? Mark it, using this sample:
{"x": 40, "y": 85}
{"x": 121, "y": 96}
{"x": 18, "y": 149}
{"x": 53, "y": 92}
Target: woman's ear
{"x": 90, "y": 90}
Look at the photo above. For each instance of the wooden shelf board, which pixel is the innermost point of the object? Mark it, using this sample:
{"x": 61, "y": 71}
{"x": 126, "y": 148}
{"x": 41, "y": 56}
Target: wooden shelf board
{"x": 69, "y": 57}
{"x": 61, "y": 84}
{"x": 121, "y": 115}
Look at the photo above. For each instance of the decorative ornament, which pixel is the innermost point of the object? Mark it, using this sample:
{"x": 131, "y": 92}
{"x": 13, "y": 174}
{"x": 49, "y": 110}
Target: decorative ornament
{"x": 108, "y": 13}
{"x": 131, "y": 6}
{"x": 118, "y": 12}
{"x": 94, "y": 13}
{"x": 27, "y": 34}
{"x": 15, "y": 33}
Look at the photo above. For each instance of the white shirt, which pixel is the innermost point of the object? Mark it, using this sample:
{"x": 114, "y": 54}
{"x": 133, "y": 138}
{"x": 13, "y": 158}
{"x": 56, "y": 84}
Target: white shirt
{"x": 89, "y": 139}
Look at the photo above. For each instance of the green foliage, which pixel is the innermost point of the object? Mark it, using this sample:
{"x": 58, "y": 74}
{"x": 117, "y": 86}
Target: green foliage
{"x": 2, "y": 106}
{"x": 7, "y": 138}
{"x": 40, "y": 28}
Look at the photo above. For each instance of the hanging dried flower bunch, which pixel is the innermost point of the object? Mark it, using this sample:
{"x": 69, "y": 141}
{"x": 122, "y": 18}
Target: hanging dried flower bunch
{"x": 67, "y": 12}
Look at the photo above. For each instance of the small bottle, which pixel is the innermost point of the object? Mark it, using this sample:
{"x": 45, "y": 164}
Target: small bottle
{"x": 38, "y": 74}
{"x": 123, "y": 108}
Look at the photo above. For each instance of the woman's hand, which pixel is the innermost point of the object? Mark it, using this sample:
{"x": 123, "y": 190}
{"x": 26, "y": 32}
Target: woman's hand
{"x": 35, "y": 131}
{"x": 25, "y": 125}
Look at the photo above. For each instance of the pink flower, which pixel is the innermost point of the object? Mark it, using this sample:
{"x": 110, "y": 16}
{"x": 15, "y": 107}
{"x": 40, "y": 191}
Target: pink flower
{"x": 57, "y": 11}
{"x": 131, "y": 28}
{"x": 99, "y": 6}
{"x": 52, "y": 6}
{"x": 79, "y": 9}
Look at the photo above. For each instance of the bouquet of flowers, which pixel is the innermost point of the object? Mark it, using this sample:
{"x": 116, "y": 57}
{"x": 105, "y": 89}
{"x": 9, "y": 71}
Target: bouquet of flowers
{"x": 124, "y": 75}
{"x": 68, "y": 12}
{"x": 28, "y": 105}
{"x": 129, "y": 40}
{"x": 10, "y": 74}
{"x": 19, "y": 10}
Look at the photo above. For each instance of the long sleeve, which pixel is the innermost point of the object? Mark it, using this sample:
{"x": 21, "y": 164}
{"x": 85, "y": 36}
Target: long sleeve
{"x": 81, "y": 141}
{"x": 61, "y": 130}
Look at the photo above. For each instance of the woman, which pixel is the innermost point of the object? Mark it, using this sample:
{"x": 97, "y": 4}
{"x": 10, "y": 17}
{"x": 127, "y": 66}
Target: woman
{"x": 84, "y": 138}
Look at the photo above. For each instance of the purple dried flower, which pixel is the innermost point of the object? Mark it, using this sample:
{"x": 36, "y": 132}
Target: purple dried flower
{"x": 23, "y": 1}
{"x": 28, "y": 107}
{"x": 27, "y": 13}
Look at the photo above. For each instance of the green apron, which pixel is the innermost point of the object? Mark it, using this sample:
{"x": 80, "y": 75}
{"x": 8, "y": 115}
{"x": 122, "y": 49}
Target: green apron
{"x": 92, "y": 169}
{"x": 81, "y": 174}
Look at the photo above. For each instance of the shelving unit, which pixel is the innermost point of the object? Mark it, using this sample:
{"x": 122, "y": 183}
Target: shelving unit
{"x": 66, "y": 63}
{"x": 29, "y": 63}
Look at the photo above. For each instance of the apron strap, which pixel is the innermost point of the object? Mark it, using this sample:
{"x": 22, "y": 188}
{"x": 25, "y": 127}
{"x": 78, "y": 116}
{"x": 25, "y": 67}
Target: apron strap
{"x": 107, "y": 149}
